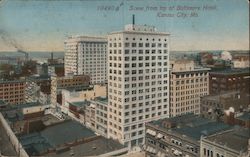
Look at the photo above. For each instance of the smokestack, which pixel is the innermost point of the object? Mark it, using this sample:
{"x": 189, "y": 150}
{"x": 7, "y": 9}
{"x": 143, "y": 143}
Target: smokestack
{"x": 51, "y": 55}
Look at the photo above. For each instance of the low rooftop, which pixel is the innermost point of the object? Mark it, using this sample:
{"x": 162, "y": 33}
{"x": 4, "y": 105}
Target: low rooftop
{"x": 79, "y": 103}
{"x": 231, "y": 71}
{"x": 12, "y": 81}
{"x": 244, "y": 117}
{"x": 191, "y": 125}
{"x": 103, "y": 100}
{"x": 13, "y": 112}
{"x": 65, "y": 138}
{"x": 221, "y": 95}
{"x": 96, "y": 147}
{"x": 236, "y": 139}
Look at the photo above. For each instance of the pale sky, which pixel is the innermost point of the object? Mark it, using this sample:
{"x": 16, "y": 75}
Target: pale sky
{"x": 36, "y": 25}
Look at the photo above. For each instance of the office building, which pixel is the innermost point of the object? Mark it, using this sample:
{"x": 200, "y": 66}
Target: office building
{"x": 85, "y": 55}
{"x": 138, "y": 81}
{"x": 187, "y": 85}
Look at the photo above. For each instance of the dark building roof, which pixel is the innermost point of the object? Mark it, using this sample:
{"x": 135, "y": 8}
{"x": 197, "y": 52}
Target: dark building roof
{"x": 231, "y": 71}
{"x": 93, "y": 148}
{"x": 103, "y": 100}
{"x": 60, "y": 135}
{"x": 196, "y": 132}
{"x": 80, "y": 103}
{"x": 236, "y": 139}
{"x": 244, "y": 117}
{"x": 66, "y": 132}
{"x": 191, "y": 125}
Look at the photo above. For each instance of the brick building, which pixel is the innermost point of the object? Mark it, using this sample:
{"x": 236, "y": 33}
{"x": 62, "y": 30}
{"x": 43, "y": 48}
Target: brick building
{"x": 217, "y": 106}
{"x": 228, "y": 80}
{"x": 12, "y": 92}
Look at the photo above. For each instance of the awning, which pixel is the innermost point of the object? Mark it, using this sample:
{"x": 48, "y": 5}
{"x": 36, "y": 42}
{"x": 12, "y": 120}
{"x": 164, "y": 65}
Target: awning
{"x": 151, "y": 132}
{"x": 159, "y": 135}
{"x": 176, "y": 152}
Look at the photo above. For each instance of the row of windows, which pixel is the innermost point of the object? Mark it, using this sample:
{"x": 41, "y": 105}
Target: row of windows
{"x": 137, "y": 105}
{"x": 11, "y": 85}
{"x": 138, "y": 52}
{"x": 93, "y": 45}
{"x": 133, "y": 119}
{"x": 93, "y": 50}
{"x": 189, "y": 92}
{"x": 159, "y": 39}
{"x": 189, "y": 87}
{"x": 134, "y": 112}
{"x": 127, "y": 44}
{"x": 146, "y": 97}
{"x": 12, "y": 89}
{"x": 139, "y": 78}
{"x": 127, "y": 72}
{"x": 209, "y": 153}
{"x": 190, "y": 75}
{"x": 140, "y": 98}
{"x": 191, "y": 81}
{"x": 95, "y": 59}
{"x": 146, "y": 64}
{"x": 133, "y": 127}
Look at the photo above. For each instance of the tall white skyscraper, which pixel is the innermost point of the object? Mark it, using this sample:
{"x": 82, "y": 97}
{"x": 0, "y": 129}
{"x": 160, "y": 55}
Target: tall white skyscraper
{"x": 86, "y": 55}
{"x": 138, "y": 81}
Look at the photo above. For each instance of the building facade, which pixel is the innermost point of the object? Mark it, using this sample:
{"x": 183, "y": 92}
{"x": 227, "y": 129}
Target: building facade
{"x": 86, "y": 55}
{"x": 229, "y": 80}
{"x": 12, "y": 92}
{"x": 75, "y": 82}
{"x": 187, "y": 84}
{"x": 101, "y": 115}
{"x": 138, "y": 80}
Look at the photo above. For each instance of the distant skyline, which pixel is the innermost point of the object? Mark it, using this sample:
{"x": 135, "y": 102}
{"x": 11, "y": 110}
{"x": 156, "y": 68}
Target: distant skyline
{"x": 31, "y": 25}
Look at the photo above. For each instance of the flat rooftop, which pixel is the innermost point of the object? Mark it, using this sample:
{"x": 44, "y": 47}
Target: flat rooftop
{"x": 13, "y": 112}
{"x": 66, "y": 132}
{"x": 65, "y": 138}
{"x": 103, "y": 100}
{"x": 196, "y": 132}
{"x": 221, "y": 95}
{"x": 53, "y": 136}
{"x": 236, "y": 139}
{"x": 11, "y": 81}
{"x": 232, "y": 71}
{"x": 244, "y": 117}
{"x": 79, "y": 103}
{"x": 193, "y": 71}
{"x": 191, "y": 125}
{"x": 93, "y": 148}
